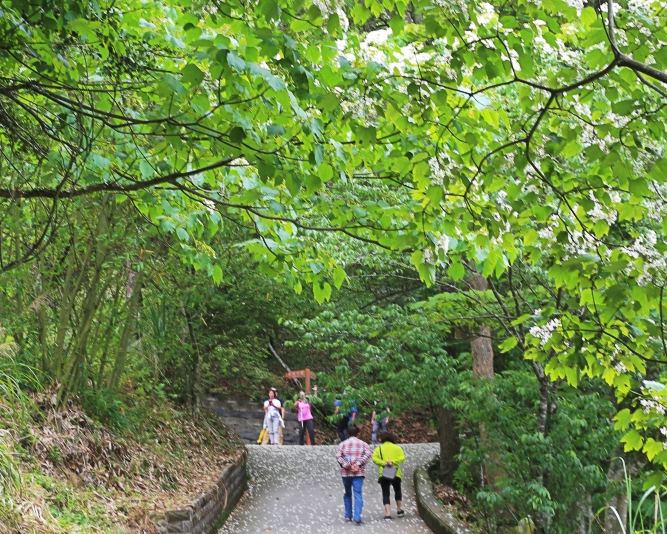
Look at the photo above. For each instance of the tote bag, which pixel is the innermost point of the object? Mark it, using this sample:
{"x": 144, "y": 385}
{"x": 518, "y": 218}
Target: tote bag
{"x": 388, "y": 472}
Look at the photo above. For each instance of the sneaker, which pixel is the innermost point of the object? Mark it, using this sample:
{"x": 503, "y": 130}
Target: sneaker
{"x": 358, "y": 523}
{"x": 400, "y": 513}
{"x": 387, "y": 517}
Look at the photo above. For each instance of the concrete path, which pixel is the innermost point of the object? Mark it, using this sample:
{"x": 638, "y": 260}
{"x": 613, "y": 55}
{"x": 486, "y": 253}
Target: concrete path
{"x": 298, "y": 490}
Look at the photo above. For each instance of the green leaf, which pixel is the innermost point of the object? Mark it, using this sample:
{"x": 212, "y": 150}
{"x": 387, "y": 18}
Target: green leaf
{"x": 321, "y": 292}
{"x": 333, "y": 24}
{"x": 588, "y": 16}
{"x": 435, "y": 193}
{"x": 396, "y": 24}
{"x": 623, "y": 419}
{"x": 360, "y": 14}
{"x": 315, "y": 15}
{"x": 531, "y": 237}
{"x": 633, "y": 441}
{"x": 339, "y": 277}
{"x": 217, "y": 274}
{"x": 417, "y": 258}
{"x": 182, "y": 234}
{"x": 366, "y": 135}
{"x": 270, "y": 9}
{"x": 275, "y": 129}
{"x": 520, "y": 320}
{"x": 326, "y": 172}
{"x": 235, "y": 61}
{"x": 508, "y": 344}
{"x": 237, "y": 134}
{"x": 652, "y": 448}
{"x": 456, "y": 271}
{"x": 191, "y": 75}
{"x": 313, "y": 183}
{"x": 571, "y": 149}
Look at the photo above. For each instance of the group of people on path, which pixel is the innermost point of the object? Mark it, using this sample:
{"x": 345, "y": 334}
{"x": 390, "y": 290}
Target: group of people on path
{"x": 353, "y": 455}
{"x": 379, "y": 419}
{"x": 274, "y": 419}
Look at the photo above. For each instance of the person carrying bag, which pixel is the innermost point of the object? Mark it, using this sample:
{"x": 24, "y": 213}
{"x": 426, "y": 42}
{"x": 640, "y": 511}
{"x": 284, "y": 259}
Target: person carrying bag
{"x": 389, "y": 458}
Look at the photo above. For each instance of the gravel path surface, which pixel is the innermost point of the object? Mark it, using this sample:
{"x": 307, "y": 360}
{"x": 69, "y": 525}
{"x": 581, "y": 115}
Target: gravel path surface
{"x": 298, "y": 490}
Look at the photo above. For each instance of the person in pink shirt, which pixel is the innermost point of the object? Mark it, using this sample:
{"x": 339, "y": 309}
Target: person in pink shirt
{"x": 305, "y": 417}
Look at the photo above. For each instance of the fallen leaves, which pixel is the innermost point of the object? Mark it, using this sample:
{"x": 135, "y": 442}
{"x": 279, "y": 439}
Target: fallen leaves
{"x": 124, "y": 479}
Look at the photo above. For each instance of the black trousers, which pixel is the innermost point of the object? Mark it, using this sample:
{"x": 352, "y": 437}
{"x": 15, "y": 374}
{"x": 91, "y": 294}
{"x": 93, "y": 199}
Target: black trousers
{"x": 386, "y": 485}
{"x": 303, "y": 425}
{"x": 342, "y": 428}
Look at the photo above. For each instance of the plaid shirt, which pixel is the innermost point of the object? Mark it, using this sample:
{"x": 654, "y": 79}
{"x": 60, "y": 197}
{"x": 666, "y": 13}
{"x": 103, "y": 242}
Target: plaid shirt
{"x": 353, "y": 451}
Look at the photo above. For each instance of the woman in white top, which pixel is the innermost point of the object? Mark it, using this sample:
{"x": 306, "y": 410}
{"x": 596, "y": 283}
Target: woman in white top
{"x": 272, "y": 408}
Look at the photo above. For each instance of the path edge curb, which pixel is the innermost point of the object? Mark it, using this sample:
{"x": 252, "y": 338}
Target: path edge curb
{"x": 208, "y": 512}
{"x": 439, "y": 520}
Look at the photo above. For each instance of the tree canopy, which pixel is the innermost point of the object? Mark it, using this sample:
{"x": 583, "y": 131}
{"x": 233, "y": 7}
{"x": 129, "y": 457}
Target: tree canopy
{"x": 523, "y": 142}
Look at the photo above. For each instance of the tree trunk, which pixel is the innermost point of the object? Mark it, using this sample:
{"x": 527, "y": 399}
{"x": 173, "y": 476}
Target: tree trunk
{"x": 128, "y": 329}
{"x": 42, "y": 326}
{"x": 481, "y": 350}
{"x": 99, "y": 381}
{"x": 619, "y": 500}
{"x": 70, "y": 290}
{"x": 584, "y": 515}
{"x": 450, "y": 445}
{"x": 195, "y": 386}
{"x": 74, "y": 367}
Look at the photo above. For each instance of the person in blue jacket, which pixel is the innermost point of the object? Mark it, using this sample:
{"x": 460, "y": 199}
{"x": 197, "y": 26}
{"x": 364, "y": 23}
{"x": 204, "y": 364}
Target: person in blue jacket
{"x": 346, "y": 419}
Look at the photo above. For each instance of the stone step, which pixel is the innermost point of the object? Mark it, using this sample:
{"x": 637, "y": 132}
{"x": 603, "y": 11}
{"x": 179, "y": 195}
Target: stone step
{"x": 246, "y": 418}
{"x": 254, "y": 423}
{"x": 252, "y": 437}
{"x": 222, "y": 412}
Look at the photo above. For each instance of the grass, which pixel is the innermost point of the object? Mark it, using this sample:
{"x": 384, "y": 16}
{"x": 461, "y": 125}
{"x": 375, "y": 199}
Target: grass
{"x": 636, "y": 520}
{"x": 14, "y": 408}
{"x": 70, "y": 473}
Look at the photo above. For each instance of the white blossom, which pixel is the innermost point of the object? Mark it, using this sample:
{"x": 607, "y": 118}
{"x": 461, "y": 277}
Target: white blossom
{"x": 578, "y": 4}
{"x": 544, "y": 333}
{"x": 487, "y": 15}
{"x": 377, "y": 37}
{"x": 437, "y": 172}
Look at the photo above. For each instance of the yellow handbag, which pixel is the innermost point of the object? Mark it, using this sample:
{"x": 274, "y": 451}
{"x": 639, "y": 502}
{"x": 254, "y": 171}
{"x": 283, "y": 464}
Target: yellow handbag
{"x": 261, "y": 436}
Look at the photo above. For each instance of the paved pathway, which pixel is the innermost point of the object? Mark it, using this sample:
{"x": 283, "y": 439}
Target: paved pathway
{"x": 298, "y": 490}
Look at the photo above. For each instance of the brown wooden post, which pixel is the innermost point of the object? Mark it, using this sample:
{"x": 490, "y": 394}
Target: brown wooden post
{"x": 308, "y": 393}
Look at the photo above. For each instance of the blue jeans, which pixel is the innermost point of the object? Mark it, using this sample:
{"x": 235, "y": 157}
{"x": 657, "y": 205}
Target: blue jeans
{"x": 376, "y": 426}
{"x": 353, "y": 484}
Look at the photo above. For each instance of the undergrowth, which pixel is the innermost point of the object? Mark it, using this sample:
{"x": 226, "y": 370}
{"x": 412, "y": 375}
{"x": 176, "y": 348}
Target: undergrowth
{"x": 106, "y": 463}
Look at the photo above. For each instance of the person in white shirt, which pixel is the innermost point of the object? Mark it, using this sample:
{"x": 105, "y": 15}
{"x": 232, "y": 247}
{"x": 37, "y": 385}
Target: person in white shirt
{"x": 272, "y": 408}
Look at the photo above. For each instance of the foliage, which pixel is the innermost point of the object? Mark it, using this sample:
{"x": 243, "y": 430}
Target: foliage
{"x": 14, "y": 412}
{"x": 162, "y": 163}
{"x": 642, "y": 512}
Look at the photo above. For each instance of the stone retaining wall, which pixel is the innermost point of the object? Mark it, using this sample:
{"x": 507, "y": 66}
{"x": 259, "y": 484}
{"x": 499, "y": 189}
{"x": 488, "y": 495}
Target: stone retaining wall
{"x": 209, "y": 511}
{"x": 435, "y": 515}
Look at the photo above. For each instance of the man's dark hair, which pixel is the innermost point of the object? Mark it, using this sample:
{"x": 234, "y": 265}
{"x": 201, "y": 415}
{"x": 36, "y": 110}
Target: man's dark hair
{"x": 352, "y": 431}
{"x": 388, "y": 436}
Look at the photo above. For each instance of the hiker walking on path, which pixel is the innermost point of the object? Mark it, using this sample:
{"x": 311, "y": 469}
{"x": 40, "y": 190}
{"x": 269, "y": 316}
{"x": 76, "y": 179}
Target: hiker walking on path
{"x": 353, "y": 455}
{"x": 346, "y": 419}
{"x": 380, "y": 419}
{"x": 265, "y": 440}
{"x": 389, "y": 457}
{"x": 272, "y": 407}
{"x": 305, "y": 417}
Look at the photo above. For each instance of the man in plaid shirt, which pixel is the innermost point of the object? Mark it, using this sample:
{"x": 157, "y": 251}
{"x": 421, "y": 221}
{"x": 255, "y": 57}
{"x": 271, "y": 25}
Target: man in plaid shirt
{"x": 353, "y": 455}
